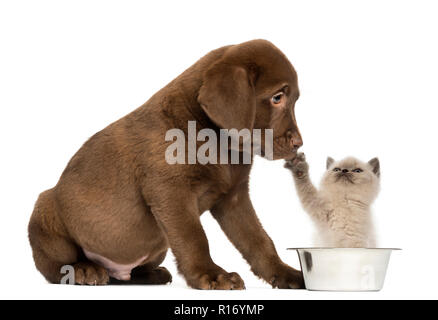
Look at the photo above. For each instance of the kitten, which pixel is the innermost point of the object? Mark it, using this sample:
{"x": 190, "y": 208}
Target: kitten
{"x": 340, "y": 208}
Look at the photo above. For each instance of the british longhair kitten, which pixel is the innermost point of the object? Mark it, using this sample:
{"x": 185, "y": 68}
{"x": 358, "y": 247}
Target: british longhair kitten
{"x": 340, "y": 208}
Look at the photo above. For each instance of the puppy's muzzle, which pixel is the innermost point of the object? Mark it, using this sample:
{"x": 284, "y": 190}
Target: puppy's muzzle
{"x": 295, "y": 139}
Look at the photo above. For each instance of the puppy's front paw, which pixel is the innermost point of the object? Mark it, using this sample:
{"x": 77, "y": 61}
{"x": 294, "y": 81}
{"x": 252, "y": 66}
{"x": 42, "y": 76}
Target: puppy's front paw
{"x": 218, "y": 281}
{"x": 298, "y": 165}
{"x": 287, "y": 278}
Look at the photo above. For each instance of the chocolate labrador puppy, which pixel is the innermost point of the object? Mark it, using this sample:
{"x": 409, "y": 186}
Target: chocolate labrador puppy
{"x": 119, "y": 205}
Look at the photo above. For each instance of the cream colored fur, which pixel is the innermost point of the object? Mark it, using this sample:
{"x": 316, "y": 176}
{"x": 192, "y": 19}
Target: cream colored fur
{"x": 340, "y": 208}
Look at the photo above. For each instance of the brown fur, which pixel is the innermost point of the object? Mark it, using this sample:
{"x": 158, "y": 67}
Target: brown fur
{"x": 119, "y": 198}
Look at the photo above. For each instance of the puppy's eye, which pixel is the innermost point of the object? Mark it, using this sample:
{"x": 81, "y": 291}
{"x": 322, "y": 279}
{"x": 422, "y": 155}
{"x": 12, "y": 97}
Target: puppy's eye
{"x": 277, "y": 98}
{"x": 337, "y": 169}
{"x": 357, "y": 170}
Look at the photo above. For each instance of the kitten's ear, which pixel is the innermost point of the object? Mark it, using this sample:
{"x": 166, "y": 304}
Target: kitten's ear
{"x": 329, "y": 162}
{"x": 375, "y": 165}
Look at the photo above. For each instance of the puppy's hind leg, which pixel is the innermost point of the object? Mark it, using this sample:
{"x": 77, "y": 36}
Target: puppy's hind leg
{"x": 52, "y": 249}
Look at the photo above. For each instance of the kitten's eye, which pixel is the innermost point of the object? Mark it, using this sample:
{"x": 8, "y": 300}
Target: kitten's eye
{"x": 357, "y": 170}
{"x": 337, "y": 169}
{"x": 277, "y": 98}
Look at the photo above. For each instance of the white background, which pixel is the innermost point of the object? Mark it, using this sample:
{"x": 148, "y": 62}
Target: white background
{"x": 368, "y": 77}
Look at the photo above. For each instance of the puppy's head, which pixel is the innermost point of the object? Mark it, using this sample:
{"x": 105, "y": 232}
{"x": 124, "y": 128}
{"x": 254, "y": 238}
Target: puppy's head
{"x": 253, "y": 85}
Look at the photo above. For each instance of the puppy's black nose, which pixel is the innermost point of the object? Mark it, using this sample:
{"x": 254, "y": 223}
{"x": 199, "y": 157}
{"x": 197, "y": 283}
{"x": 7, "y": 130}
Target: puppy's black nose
{"x": 344, "y": 170}
{"x": 296, "y": 146}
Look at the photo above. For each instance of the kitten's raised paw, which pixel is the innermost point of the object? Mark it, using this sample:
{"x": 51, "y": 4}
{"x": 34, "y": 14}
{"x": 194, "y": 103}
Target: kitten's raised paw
{"x": 300, "y": 157}
{"x": 288, "y": 164}
{"x": 298, "y": 165}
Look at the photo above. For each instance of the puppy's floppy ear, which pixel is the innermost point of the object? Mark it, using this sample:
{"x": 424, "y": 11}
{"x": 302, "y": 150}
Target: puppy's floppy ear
{"x": 227, "y": 96}
{"x": 375, "y": 165}
{"x": 329, "y": 162}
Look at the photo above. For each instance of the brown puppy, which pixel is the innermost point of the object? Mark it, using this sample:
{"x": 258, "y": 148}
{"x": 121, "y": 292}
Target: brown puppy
{"x": 119, "y": 205}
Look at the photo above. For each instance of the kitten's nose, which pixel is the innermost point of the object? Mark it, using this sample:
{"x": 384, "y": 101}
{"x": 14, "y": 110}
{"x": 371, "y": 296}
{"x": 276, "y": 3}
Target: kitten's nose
{"x": 344, "y": 170}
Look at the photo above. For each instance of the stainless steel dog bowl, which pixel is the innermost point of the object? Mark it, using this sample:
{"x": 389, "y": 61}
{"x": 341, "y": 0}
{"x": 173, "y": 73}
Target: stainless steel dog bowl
{"x": 344, "y": 269}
